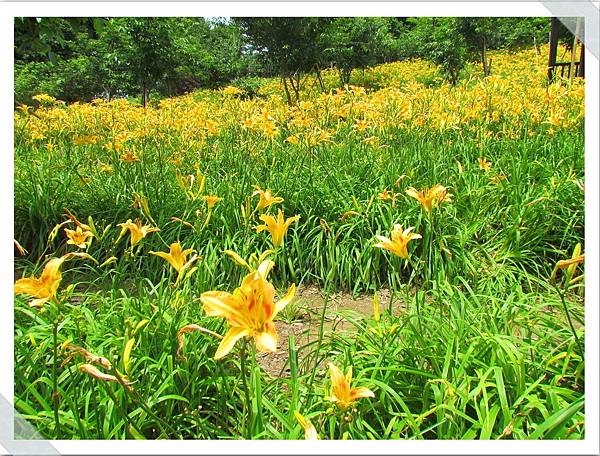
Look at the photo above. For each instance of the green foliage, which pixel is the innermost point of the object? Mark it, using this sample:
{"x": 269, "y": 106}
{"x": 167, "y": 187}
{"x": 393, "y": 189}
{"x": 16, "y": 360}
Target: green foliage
{"x": 125, "y": 57}
{"x": 442, "y": 44}
{"x": 290, "y": 43}
{"x": 351, "y": 43}
{"x": 249, "y": 85}
{"x": 473, "y": 343}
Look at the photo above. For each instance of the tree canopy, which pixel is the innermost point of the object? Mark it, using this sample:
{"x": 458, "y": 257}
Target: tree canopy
{"x": 85, "y": 58}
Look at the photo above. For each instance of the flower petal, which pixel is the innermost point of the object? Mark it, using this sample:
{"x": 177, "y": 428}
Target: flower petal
{"x": 336, "y": 374}
{"x": 266, "y": 341}
{"x": 310, "y": 433}
{"x": 265, "y": 267}
{"x": 359, "y": 392}
{"x": 279, "y": 305}
{"x": 232, "y": 336}
{"x": 235, "y": 257}
{"x": 222, "y": 304}
{"x": 28, "y": 286}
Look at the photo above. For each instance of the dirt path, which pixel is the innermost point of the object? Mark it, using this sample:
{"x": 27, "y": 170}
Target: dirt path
{"x": 303, "y": 318}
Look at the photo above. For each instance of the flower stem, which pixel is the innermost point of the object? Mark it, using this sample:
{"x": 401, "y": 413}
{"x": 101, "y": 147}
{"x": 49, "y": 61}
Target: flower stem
{"x": 568, "y": 315}
{"x": 55, "y": 394}
{"x": 248, "y": 404}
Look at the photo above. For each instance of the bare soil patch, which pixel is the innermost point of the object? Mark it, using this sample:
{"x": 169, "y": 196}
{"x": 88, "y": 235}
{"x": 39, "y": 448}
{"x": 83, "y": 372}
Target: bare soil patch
{"x": 303, "y": 320}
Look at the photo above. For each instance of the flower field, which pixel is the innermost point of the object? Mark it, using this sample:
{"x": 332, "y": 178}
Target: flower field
{"x": 162, "y": 258}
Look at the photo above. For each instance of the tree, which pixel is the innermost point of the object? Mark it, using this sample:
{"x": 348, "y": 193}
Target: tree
{"x": 291, "y": 45}
{"x": 437, "y": 40}
{"x": 479, "y": 33}
{"x": 44, "y": 38}
{"x": 207, "y": 52}
{"x": 148, "y": 49}
{"x": 356, "y": 42}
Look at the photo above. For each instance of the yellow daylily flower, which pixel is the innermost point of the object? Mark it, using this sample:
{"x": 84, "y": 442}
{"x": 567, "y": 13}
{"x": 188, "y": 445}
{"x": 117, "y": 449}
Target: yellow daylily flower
{"x": 232, "y": 90}
{"x": 571, "y": 266}
{"x": 310, "y": 433}
{"x": 176, "y": 257}
{"x": 73, "y": 219}
{"x": 293, "y": 139}
{"x": 361, "y": 125}
{"x": 137, "y": 231}
{"x": 249, "y": 310}
{"x": 400, "y": 239}
{"x": 128, "y": 156}
{"x": 484, "y": 164}
{"x": 436, "y": 194}
{"x": 341, "y": 393}
{"x": 256, "y": 263}
{"x": 44, "y": 288}
{"x": 78, "y": 237}
{"x": 105, "y": 167}
{"x": 266, "y": 198}
{"x": 386, "y": 195}
{"x": 276, "y": 226}
{"x": 497, "y": 178}
{"x": 211, "y": 200}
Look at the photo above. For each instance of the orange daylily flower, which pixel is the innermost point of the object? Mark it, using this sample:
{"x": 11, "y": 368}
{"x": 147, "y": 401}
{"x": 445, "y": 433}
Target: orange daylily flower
{"x": 266, "y": 198}
{"x": 341, "y": 393}
{"x": 249, "y": 310}
{"x": 137, "y": 231}
{"x": 43, "y": 289}
{"x": 400, "y": 239}
{"x": 176, "y": 257}
{"x": 78, "y": 237}
{"x": 436, "y": 194}
{"x": 276, "y": 226}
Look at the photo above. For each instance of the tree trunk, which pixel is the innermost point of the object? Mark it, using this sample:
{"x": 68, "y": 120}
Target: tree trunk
{"x": 345, "y": 74}
{"x": 535, "y": 45}
{"x": 295, "y": 88}
{"x": 454, "y": 77}
{"x": 287, "y": 91}
{"x": 144, "y": 95}
{"x": 319, "y": 78}
{"x": 486, "y": 70}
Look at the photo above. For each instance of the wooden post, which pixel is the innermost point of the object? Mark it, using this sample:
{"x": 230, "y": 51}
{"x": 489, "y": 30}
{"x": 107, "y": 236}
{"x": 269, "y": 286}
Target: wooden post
{"x": 553, "y": 47}
{"x": 574, "y": 49}
{"x": 581, "y": 71}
